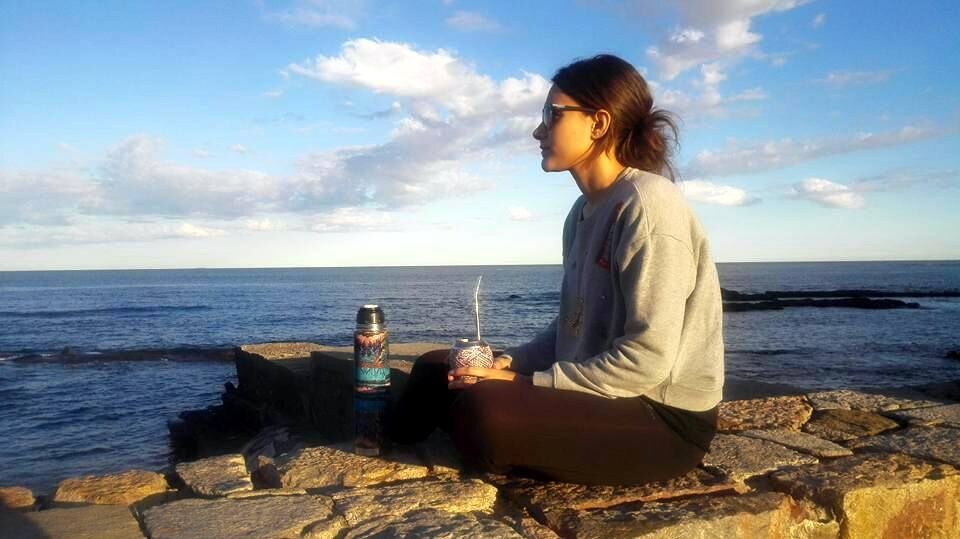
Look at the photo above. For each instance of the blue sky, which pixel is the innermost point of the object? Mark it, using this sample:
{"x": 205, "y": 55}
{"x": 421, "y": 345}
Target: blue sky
{"x": 368, "y": 133}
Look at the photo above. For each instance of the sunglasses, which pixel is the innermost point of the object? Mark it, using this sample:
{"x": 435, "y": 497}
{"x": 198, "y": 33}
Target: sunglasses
{"x": 551, "y": 109}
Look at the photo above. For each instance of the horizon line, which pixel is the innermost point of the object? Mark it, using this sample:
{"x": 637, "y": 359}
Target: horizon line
{"x": 454, "y": 265}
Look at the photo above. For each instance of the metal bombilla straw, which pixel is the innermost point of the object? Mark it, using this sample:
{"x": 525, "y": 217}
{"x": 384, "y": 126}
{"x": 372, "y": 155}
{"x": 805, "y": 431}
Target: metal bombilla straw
{"x": 476, "y": 305}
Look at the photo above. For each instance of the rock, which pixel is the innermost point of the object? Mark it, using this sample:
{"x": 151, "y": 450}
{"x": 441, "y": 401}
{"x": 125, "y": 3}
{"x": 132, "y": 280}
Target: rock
{"x": 952, "y": 354}
{"x": 881, "y": 495}
{"x": 769, "y": 413}
{"x": 800, "y": 441}
{"x": 542, "y": 498}
{"x": 266, "y": 492}
{"x": 216, "y": 476}
{"x": 16, "y": 498}
{"x": 122, "y": 488}
{"x": 255, "y": 518}
{"x": 768, "y": 514}
{"x": 946, "y": 416}
{"x": 842, "y": 425}
{"x": 323, "y": 466}
{"x": 927, "y": 443}
{"x": 847, "y": 399}
{"x": 433, "y": 523}
{"x": 87, "y": 522}
{"x": 948, "y": 390}
{"x": 363, "y": 504}
{"x": 325, "y": 529}
{"x": 741, "y": 458}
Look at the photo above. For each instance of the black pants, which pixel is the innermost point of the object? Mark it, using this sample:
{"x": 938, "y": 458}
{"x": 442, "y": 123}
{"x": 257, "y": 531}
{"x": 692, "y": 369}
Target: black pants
{"x": 541, "y": 432}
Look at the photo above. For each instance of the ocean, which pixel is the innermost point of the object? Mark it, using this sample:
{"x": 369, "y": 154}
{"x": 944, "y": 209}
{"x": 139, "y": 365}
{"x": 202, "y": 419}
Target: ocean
{"x": 103, "y": 406}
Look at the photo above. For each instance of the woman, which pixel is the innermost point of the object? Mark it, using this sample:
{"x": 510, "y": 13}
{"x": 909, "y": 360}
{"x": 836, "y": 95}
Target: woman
{"x": 622, "y": 387}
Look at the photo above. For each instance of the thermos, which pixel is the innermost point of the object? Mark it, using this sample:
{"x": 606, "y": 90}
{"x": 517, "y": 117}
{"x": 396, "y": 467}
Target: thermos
{"x": 371, "y": 355}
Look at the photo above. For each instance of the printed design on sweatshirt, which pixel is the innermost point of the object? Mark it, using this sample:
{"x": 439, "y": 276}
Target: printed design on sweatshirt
{"x": 603, "y": 257}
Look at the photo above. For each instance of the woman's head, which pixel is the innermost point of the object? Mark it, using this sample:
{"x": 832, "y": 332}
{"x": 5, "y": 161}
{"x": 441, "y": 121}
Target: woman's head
{"x": 615, "y": 115}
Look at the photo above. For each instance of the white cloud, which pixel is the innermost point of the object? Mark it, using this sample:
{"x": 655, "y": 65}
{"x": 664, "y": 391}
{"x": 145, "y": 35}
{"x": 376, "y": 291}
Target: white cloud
{"x": 471, "y": 21}
{"x": 712, "y": 193}
{"x": 264, "y": 225}
{"x": 819, "y": 20}
{"x": 744, "y": 158}
{"x": 518, "y": 213}
{"x": 188, "y": 230}
{"x": 87, "y": 230}
{"x": 201, "y": 153}
{"x": 712, "y": 74}
{"x": 851, "y": 78}
{"x": 341, "y": 14}
{"x": 827, "y": 193}
{"x": 240, "y": 148}
{"x": 352, "y": 219}
{"x": 710, "y": 31}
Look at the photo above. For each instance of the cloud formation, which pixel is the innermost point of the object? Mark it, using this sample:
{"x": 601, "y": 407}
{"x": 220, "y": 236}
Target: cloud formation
{"x": 716, "y": 194}
{"x": 827, "y": 194}
{"x": 738, "y": 158}
{"x": 708, "y": 31}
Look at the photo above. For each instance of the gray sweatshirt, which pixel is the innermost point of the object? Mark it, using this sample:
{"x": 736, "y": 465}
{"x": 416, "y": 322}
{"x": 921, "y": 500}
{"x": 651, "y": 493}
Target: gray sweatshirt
{"x": 640, "y": 308}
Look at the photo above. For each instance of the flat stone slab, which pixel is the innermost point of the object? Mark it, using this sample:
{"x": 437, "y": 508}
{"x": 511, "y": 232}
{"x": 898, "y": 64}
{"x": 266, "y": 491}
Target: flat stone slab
{"x": 800, "y": 441}
{"x": 843, "y": 425}
{"x": 122, "y": 488}
{"x": 266, "y": 492}
{"x": 433, "y": 523}
{"x": 848, "y": 399}
{"x": 541, "y": 497}
{"x": 324, "y": 466}
{"x": 270, "y": 517}
{"x": 881, "y": 495}
{"x": 768, "y": 514}
{"x": 741, "y": 458}
{"x": 945, "y": 416}
{"x": 278, "y": 351}
{"x": 927, "y": 443}
{"x": 16, "y": 498}
{"x": 363, "y": 504}
{"x": 769, "y": 413}
{"x": 216, "y": 476}
{"x": 88, "y": 522}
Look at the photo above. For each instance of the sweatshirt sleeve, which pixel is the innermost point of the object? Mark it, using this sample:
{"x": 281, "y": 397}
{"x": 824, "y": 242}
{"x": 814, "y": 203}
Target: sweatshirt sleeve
{"x": 537, "y": 354}
{"x": 657, "y": 275}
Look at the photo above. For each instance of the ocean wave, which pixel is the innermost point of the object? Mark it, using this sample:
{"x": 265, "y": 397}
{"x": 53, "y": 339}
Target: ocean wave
{"x": 106, "y": 310}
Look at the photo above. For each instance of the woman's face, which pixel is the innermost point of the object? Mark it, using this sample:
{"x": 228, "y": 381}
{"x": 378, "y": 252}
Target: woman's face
{"x": 567, "y": 142}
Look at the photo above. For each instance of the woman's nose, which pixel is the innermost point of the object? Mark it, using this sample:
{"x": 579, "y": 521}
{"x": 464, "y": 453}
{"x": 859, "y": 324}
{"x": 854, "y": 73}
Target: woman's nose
{"x": 539, "y": 131}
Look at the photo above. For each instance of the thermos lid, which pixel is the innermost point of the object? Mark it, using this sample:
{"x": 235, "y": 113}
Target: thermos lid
{"x": 371, "y": 315}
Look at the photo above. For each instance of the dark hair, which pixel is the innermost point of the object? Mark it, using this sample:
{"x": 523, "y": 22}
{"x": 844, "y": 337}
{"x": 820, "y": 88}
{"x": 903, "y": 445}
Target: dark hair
{"x": 643, "y": 136}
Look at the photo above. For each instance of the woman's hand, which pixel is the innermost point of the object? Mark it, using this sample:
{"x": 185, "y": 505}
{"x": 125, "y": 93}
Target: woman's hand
{"x": 455, "y": 377}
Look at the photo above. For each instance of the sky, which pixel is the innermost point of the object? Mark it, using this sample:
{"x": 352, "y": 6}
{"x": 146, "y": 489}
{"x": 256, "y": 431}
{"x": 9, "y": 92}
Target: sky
{"x": 308, "y": 133}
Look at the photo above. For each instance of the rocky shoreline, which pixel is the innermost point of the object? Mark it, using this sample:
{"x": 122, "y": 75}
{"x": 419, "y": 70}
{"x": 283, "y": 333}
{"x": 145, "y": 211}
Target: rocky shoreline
{"x": 787, "y": 463}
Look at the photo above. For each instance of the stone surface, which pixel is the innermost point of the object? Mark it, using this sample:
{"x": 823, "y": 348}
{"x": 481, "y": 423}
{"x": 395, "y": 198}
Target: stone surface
{"x": 266, "y": 492}
{"x": 540, "y": 497}
{"x": 255, "y": 518}
{"x": 16, "y": 498}
{"x": 323, "y": 466}
{"x": 434, "y": 524}
{"x": 759, "y": 515}
{"x": 927, "y": 443}
{"x": 741, "y": 458}
{"x": 847, "y": 399}
{"x": 769, "y": 413}
{"x": 325, "y": 529}
{"x": 439, "y": 454}
{"x": 363, "y": 504}
{"x": 881, "y": 495}
{"x": 800, "y": 441}
{"x": 122, "y": 488}
{"x": 216, "y": 476}
{"x": 88, "y": 522}
{"x": 945, "y": 416}
{"x": 842, "y": 425}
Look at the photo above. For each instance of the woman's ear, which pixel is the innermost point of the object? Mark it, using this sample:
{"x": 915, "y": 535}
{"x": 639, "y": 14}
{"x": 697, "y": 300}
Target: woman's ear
{"x": 601, "y": 124}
